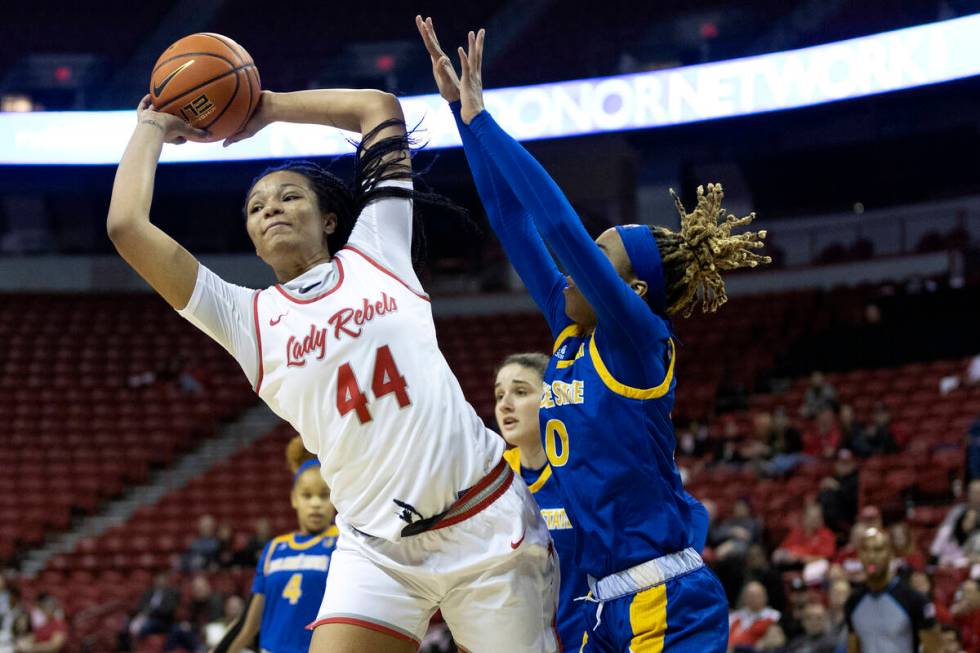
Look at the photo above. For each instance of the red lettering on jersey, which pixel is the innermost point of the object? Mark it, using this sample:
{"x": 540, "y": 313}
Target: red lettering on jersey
{"x": 346, "y": 321}
{"x": 298, "y": 350}
{"x": 342, "y": 319}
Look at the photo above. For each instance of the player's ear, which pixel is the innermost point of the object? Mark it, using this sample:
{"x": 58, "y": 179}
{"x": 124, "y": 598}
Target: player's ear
{"x": 329, "y": 223}
{"x": 292, "y": 501}
{"x": 639, "y": 286}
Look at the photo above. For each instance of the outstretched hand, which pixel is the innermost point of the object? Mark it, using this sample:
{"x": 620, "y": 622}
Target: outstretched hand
{"x": 175, "y": 130}
{"x": 467, "y": 88}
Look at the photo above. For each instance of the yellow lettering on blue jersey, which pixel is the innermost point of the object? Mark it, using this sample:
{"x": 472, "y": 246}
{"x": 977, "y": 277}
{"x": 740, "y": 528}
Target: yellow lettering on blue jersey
{"x": 560, "y": 393}
{"x": 556, "y": 519}
{"x": 556, "y": 442}
{"x": 547, "y": 401}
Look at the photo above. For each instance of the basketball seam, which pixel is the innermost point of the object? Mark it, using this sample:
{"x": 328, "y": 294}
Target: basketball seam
{"x": 194, "y": 54}
{"x": 238, "y": 85}
{"x": 228, "y": 44}
{"x": 248, "y": 114}
{"x": 203, "y": 84}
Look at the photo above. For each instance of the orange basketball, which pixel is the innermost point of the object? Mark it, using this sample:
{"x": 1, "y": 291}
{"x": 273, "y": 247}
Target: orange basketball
{"x": 208, "y": 80}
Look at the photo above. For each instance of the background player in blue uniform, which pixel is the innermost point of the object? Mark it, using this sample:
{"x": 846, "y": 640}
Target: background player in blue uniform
{"x": 517, "y": 394}
{"x": 292, "y": 571}
{"x": 609, "y": 387}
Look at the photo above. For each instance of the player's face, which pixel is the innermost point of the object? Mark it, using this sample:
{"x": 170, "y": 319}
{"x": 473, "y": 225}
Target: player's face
{"x": 517, "y": 395}
{"x": 311, "y": 499}
{"x": 284, "y": 219}
{"x": 875, "y": 554}
{"x": 577, "y": 307}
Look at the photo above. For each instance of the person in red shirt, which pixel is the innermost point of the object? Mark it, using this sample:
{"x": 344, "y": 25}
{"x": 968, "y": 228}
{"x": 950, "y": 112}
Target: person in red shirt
{"x": 52, "y": 635}
{"x": 823, "y": 437}
{"x": 966, "y": 614}
{"x": 755, "y": 625}
{"x": 808, "y": 542}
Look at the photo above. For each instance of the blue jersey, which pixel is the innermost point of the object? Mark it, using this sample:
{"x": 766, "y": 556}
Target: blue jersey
{"x": 541, "y": 483}
{"x": 291, "y": 575}
{"x": 605, "y": 415}
{"x": 612, "y": 445}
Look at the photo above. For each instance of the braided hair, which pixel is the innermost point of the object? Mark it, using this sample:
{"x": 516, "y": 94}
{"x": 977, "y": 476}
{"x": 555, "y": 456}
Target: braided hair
{"x": 375, "y": 160}
{"x": 694, "y": 257}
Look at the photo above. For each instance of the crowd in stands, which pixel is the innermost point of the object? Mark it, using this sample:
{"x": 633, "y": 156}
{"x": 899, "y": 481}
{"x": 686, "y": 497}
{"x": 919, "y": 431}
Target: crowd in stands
{"x": 800, "y": 590}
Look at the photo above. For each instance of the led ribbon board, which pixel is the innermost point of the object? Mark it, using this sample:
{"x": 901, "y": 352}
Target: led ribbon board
{"x": 906, "y": 58}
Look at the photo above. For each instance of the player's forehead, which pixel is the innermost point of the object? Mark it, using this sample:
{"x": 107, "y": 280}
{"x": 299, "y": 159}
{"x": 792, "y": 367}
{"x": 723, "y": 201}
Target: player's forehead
{"x": 276, "y": 182}
{"x": 516, "y": 374}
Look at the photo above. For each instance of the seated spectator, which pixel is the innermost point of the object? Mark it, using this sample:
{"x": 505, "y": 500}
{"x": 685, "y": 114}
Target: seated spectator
{"x": 728, "y": 446}
{"x": 249, "y": 555}
{"x": 907, "y": 553}
{"x": 885, "y": 613}
{"x": 966, "y": 613}
{"x": 791, "y": 621}
{"x": 944, "y": 545}
{"x": 839, "y": 493}
{"x": 837, "y": 595}
{"x": 879, "y": 437}
{"x": 15, "y": 623}
{"x": 822, "y": 438}
{"x": 215, "y": 630}
{"x": 204, "y": 607}
{"x": 847, "y": 556}
{"x": 51, "y": 635}
{"x": 820, "y": 395}
{"x": 964, "y": 547}
{"x": 755, "y": 448}
{"x": 921, "y": 582}
{"x": 951, "y": 641}
{"x": 817, "y": 636}
{"x": 156, "y": 610}
{"x": 809, "y": 542}
{"x": 755, "y": 625}
{"x": 785, "y": 445}
{"x": 851, "y": 430}
{"x": 205, "y": 548}
{"x": 226, "y": 546}
{"x": 734, "y": 535}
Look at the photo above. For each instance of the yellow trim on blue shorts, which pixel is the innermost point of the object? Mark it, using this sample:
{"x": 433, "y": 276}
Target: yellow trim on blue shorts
{"x": 648, "y": 619}
{"x": 622, "y": 388}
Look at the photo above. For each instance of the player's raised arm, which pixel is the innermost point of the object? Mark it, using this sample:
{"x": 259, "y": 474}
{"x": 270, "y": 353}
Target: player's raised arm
{"x": 373, "y": 114}
{"x": 509, "y": 219}
{"x": 159, "y": 259}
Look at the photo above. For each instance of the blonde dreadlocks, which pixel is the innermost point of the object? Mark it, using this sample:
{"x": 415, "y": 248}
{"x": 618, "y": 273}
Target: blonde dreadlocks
{"x": 694, "y": 257}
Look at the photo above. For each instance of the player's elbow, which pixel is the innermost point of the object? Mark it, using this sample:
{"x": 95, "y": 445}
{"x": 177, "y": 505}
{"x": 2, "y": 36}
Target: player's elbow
{"x": 382, "y": 106}
{"x": 122, "y": 229}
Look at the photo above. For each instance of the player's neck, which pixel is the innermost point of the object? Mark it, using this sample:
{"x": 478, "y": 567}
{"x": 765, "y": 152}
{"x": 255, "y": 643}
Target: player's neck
{"x": 299, "y": 266}
{"x": 533, "y": 457}
{"x": 879, "y": 584}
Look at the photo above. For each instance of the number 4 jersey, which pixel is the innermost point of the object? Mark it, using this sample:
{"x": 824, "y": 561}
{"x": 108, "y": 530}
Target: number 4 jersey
{"x": 291, "y": 575}
{"x": 347, "y": 354}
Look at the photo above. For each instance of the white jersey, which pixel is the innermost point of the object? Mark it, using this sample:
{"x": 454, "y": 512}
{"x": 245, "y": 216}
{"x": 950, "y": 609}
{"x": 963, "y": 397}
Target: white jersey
{"x": 347, "y": 354}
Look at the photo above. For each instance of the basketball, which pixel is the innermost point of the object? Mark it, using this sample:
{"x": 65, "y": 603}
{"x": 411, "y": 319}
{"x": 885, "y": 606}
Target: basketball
{"x": 208, "y": 80}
